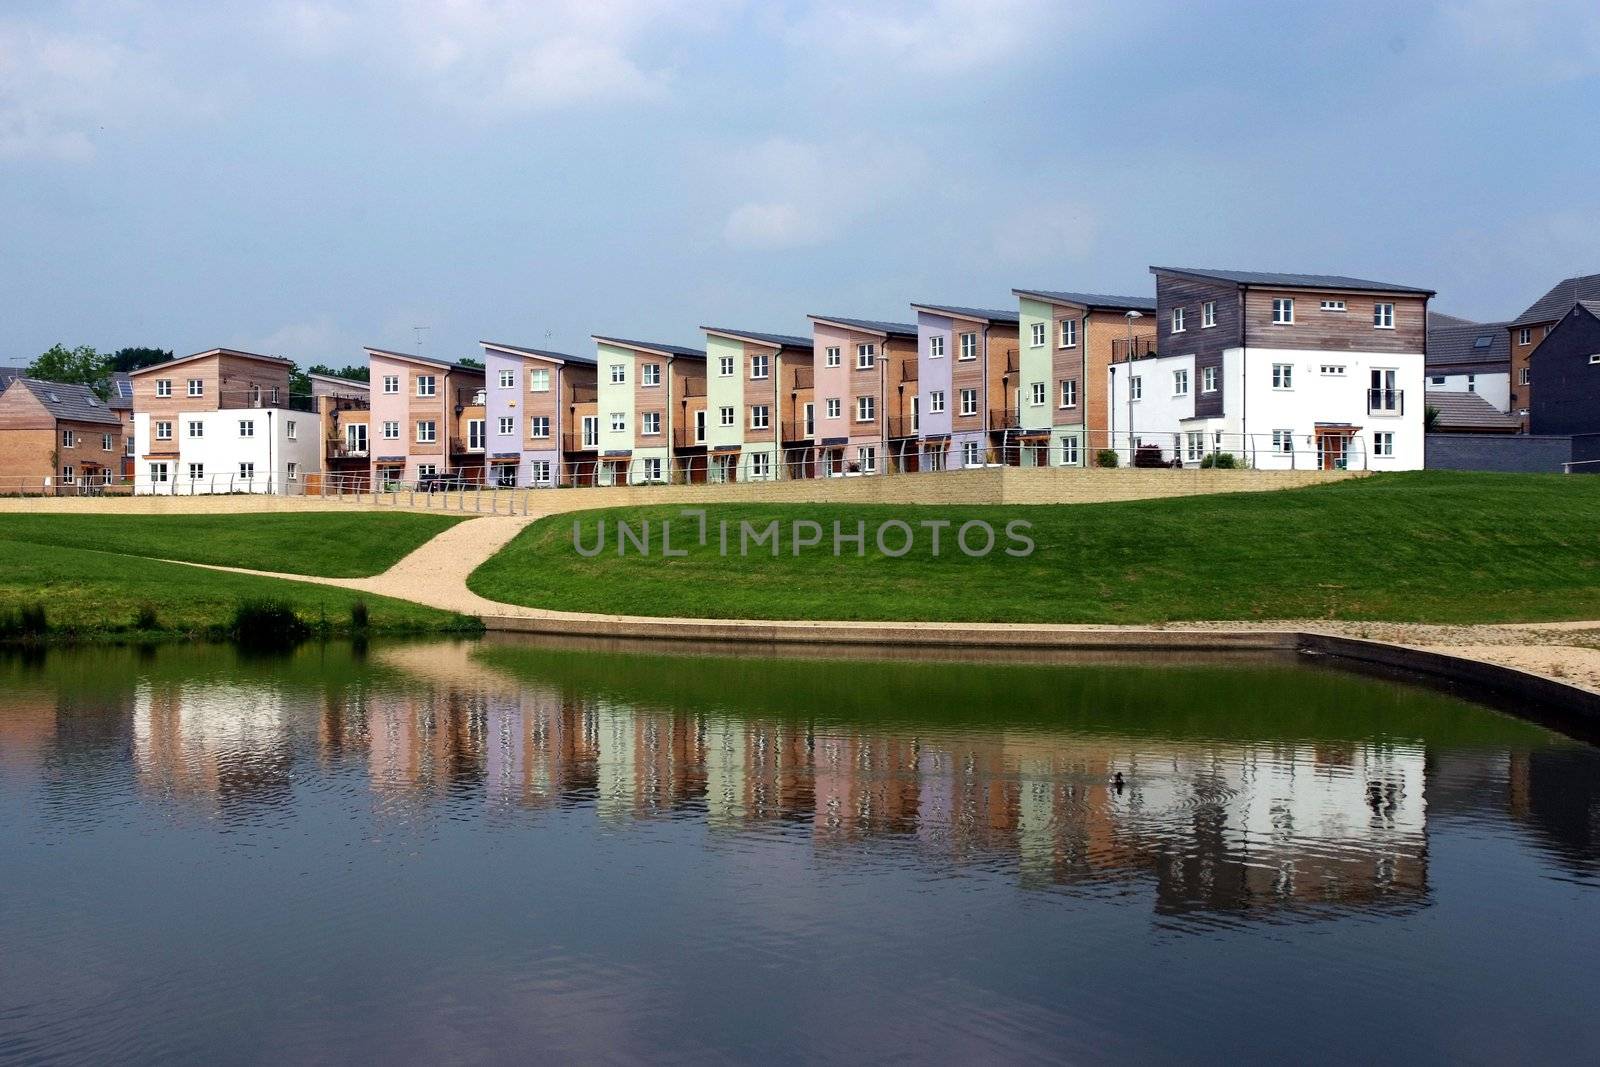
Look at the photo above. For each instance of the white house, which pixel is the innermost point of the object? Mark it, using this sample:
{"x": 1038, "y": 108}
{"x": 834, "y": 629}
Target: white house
{"x": 1280, "y": 370}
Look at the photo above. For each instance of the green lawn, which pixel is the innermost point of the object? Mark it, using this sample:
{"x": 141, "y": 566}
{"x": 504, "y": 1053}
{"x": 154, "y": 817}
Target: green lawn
{"x": 355, "y": 544}
{"x": 1421, "y": 547}
{"x": 88, "y": 593}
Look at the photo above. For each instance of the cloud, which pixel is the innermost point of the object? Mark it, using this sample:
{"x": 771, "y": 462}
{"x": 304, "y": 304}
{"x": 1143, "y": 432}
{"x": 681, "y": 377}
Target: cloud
{"x": 1530, "y": 40}
{"x": 919, "y": 37}
{"x": 314, "y": 340}
{"x": 56, "y": 89}
{"x": 1054, "y": 232}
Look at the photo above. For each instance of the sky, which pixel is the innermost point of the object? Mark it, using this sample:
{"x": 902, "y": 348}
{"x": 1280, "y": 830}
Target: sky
{"x": 305, "y": 177}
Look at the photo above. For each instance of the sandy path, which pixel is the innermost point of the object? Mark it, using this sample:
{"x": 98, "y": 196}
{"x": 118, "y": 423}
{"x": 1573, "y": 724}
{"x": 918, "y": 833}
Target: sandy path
{"x": 435, "y": 575}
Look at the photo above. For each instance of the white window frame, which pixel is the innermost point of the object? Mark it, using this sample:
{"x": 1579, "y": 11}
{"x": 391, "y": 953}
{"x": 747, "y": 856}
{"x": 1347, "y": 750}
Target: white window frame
{"x": 1383, "y": 316}
{"x": 1037, "y": 394}
{"x": 1178, "y": 317}
{"x": 1069, "y": 392}
{"x": 539, "y": 380}
{"x": 1180, "y": 382}
{"x": 506, "y": 426}
{"x": 866, "y": 355}
{"x": 391, "y": 384}
{"x": 650, "y": 423}
{"x": 427, "y": 431}
{"x": 1524, "y": 337}
{"x": 247, "y": 470}
{"x": 1334, "y": 305}
{"x": 969, "y": 346}
{"x": 1283, "y": 311}
{"x": 539, "y": 471}
{"x": 1069, "y": 452}
{"x": 760, "y": 417}
{"x": 158, "y": 472}
{"x": 831, "y": 356}
{"x": 760, "y": 367}
{"x": 508, "y": 379}
{"x": 1208, "y": 314}
{"x": 163, "y": 387}
{"x": 539, "y": 426}
{"x": 197, "y": 472}
{"x": 1383, "y": 444}
{"x": 247, "y": 428}
{"x": 291, "y": 432}
{"x": 1136, "y": 387}
{"x": 936, "y": 402}
{"x": 1208, "y": 379}
{"x": 725, "y": 416}
{"x": 1069, "y": 333}
{"x": 969, "y": 403}
{"x": 1037, "y": 335}
{"x": 194, "y": 428}
{"x": 427, "y": 385}
{"x": 292, "y": 471}
{"x": 1283, "y": 376}
{"x": 936, "y": 346}
{"x": 619, "y": 374}
{"x": 971, "y": 454}
{"x": 761, "y": 464}
{"x": 832, "y": 408}
{"x": 391, "y": 429}
{"x": 867, "y": 408}
{"x": 867, "y": 459}
{"x": 619, "y": 422}
{"x": 163, "y": 431}
{"x": 197, "y": 387}
{"x": 106, "y": 443}
{"x": 1333, "y": 370}
{"x": 650, "y": 376}
{"x": 1283, "y": 442}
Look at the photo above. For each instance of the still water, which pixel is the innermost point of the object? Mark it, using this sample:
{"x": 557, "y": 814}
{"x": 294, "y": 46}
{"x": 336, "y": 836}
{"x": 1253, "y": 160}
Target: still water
{"x": 466, "y": 852}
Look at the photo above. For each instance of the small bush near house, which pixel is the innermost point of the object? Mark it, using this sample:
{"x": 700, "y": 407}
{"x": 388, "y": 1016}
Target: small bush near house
{"x": 267, "y": 624}
{"x": 1106, "y": 457}
{"x": 1220, "y": 460}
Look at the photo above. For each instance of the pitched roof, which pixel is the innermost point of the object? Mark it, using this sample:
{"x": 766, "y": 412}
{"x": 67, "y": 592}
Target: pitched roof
{"x": 1269, "y": 279}
{"x": 787, "y": 339}
{"x": 213, "y": 352}
{"x": 339, "y": 379}
{"x": 416, "y": 358}
{"x": 11, "y": 374}
{"x": 1473, "y": 342}
{"x": 1559, "y": 300}
{"x": 1469, "y": 411}
{"x": 983, "y": 314}
{"x": 870, "y": 325}
{"x": 121, "y": 390}
{"x": 1437, "y": 319}
{"x": 653, "y": 346}
{"x": 75, "y": 402}
{"x": 521, "y": 350}
{"x": 1093, "y": 300}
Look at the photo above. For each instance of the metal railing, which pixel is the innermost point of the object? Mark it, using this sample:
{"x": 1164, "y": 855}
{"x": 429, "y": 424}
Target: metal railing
{"x": 694, "y": 387}
{"x": 1005, "y": 419}
{"x": 797, "y": 430}
{"x": 1123, "y": 348}
{"x": 1386, "y": 402}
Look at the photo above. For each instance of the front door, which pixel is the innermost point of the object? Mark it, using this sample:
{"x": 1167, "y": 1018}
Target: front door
{"x": 1332, "y": 449}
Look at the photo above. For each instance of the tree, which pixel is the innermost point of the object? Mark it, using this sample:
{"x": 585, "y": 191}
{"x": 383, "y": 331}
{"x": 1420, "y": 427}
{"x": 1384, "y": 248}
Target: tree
{"x": 1430, "y": 418}
{"x": 470, "y": 362}
{"x": 127, "y": 359}
{"x": 354, "y": 374}
{"x": 81, "y": 366}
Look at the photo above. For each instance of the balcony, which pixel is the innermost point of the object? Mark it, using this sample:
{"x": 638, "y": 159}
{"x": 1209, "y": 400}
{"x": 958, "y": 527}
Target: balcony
{"x": 470, "y": 398}
{"x": 797, "y": 430}
{"x": 803, "y": 378}
{"x": 907, "y": 374}
{"x": 1386, "y": 402}
{"x": 1124, "y": 349}
{"x": 1013, "y": 361}
{"x": 574, "y": 442}
{"x": 341, "y": 450}
{"x": 694, "y": 387}
{"x": 585, "y": 394}
{"x": 902, "y": 425}
{"x": 1005, "y": 419}
{"x": 462, "y": 447}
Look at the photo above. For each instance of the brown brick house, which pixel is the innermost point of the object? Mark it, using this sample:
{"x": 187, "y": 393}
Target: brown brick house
{"x": 57, "y": 436}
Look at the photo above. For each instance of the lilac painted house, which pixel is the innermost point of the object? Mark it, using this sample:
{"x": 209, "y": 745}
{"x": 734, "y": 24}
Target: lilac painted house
{"x": 538, "y": 407}
{"x": 967, "y": 386}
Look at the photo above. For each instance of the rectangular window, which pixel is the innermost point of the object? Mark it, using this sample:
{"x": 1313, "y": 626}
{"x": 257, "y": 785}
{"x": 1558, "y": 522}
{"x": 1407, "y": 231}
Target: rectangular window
{"x": 761, "y": 465}
{"x": 164, "y": 385}
{"x": 969, "y": 402}
{"x": 539, "y": 472}
{"x": 539, "y": 380}
{"x": 1069, "y": 392}
{"x": 936, "y": 345}
{"x": 866, "y": 356}
{"x": 1069, "y": 451}
{"x": 1283, "y": 441}
{"x": 1069, "y": 333}
{"x": 831, "y": 356}
{"x": 539, "y": 426}
{"x": 866, "y": 408}
{"x": 289, "y": 430}
{"x": 1194, "y": 446}
{"x": 1283, "y": 310}
{"x": 619, "y": 373}
{"x": 292, "y": 470}
{"x": 69, "y": 439}
{"x": 1208, "y": 380}
{"x": 247, "y": 427}
{"x": 427, "y": 431}
{"x": 1180, "y": 383}
{"x": 1383, "y": 316}
{"x": 725, "y": 366}
{"x": 1283, "y": 375}
{"x": 652, "y": 469}
{"x": 650, "y": 375}
{"x": 760, "y": 417}
{"x": 197, "y": 387}
{"x": 158, "y": 472}
{"x": 506, "y": 425}
{"x": 936, "y": 402}
{"x": 391, "y": 383}
{"x": 650, "y": 423}
{"x": 1333, "y": 370}
{"x": 591, "y": 431}
{"x": 833, "y": 407}
{"x": 969, "y": 346}
{"x": 427, "y": 470}
{"x": 247, "y": 471}
{"x": 105, "y": 443}
{"x": 1383, "y": 443}
{"x": 163, "y": 431}
{"x": 1136, "y": 388}
{"x": 1177, "y": 320}
{"x": 971, "y": 455}
{"x": 1208, "y": 314}
{"x": 391, "y": 430}
{"x": 619, "y": 422}
{"x": 725, "y": 416}
{"x": 197, "y": 471}
{"x": 508, "y": 379}
{"x": 1036, "y": 334}
{"x": 1333, "y": 305}
{"x": 810, "y": 419}
{"x": 1038, "y": 393}
{"x": 760, "y": 366}
{"x": 867, "y": 457}
{"x": 1524, "y": 376}
{"x": 427, "y": 385}
{"x": 1437, "y": 379}
{"x": 196, "y": 428}
{"x": 1524, "y": 337}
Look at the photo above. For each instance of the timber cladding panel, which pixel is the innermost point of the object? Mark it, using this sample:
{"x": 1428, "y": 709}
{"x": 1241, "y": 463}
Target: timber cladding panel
{"x": 1067, "y": 364}
{"x": 966, "y": 374}
{"x": 1351, "y": 330}
{"x": 654, "y": 399}
{"x": 1206, "y": 344}
{"x": 762, "y": 392}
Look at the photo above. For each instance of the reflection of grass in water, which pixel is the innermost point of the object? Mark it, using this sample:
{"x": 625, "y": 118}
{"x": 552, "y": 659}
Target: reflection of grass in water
{"x": 1273, "y": 698}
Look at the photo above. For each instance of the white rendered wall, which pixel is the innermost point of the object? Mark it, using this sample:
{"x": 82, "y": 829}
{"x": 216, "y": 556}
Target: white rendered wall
{"x": 1495, "y": 388}
{"x": 221, "y": 450}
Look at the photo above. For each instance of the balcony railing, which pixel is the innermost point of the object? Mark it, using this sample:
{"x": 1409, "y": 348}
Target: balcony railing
{"x": 461, "y": 446}
{"x": 574, "y": 442}
{"x": 907, "y": 373}
{"x": 1386, "y": 402}
{"x": 797, "y": 430}
{"x": 694, "y": 387}
{"x": 902, "y": 425}
{"x": 585, "y": 394}
{"x": 1005, "y": 419}
{"x": 1013, "y": 361}
{"x": 803, "y": 378}
{"x": 341, "y": 450}
{"x": 685, "y": 437}
{"x": 1123, "y": 348}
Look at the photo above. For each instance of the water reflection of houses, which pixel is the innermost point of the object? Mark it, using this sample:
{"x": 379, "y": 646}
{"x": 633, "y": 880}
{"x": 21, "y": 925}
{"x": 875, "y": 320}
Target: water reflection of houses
{"x": 225, "y": 744}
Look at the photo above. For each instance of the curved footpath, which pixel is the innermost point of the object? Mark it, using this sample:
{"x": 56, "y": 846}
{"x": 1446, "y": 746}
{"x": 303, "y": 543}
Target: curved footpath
{"x": 1554, "y": 663}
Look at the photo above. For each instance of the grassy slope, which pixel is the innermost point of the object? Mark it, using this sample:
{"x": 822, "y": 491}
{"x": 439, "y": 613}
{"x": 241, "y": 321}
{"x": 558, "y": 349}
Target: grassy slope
{"x": 353, "y": 544}
{"x": 1426, "y": 547}
{"x": 88, "y": 593}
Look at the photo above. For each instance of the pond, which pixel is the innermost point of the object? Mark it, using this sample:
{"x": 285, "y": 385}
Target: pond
{"x": 511, "y": 851}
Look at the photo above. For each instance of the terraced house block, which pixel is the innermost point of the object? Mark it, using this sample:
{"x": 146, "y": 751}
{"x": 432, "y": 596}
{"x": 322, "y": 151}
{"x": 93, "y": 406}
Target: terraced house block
{"x": 652, "y": 396}
{"x": 429, "y": 417}
{"x": 759, "y": 405}
{"x": 866, "y": 389}
{"x": 964, "y": 412}
{"x": 1066, "y": 342}
{"x": 540, "y": 411}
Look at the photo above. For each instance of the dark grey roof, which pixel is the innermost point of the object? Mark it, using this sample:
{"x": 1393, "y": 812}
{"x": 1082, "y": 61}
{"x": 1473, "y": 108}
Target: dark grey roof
{"x": 874, "y": 325}
{"x": 1479, "y": 342}
{"x": 567, "y": 357}
{"x": 655, "y": 346}
{"x": 1469, "y": 411}
{"x": 75, "y": 402}
{"x": 1093, "y": 300}
{"x": 1559, "y": 300}
{"x": 464, "y": 367}
{"x": 788, "y": 339}
{"x": 1291, "y": 281}
{"x": 1439, "y": 318}
{"x": 987, "y": 314}
{"x": 120, "y": 391}
{"x": 11, "y": 374}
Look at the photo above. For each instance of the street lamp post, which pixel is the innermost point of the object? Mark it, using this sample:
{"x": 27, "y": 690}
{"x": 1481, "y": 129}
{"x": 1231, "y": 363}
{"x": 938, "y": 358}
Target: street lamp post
{"x": 1130, "y": 316}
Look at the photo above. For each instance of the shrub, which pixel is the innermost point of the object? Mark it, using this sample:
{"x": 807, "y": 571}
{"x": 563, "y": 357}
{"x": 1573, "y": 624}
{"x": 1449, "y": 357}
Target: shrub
{"x": 27, "y": 621}
{"x": 1106, "y": 457}
{"x": 358, "y": 616}
{"x": 267, "y": 624}
{"x": 1148, "y": 456}
{"x": 146, "y": 619}
{"x": 1219, "y": 460}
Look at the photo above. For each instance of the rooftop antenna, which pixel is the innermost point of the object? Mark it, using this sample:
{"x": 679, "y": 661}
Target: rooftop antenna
{"x": 419, "y": 331}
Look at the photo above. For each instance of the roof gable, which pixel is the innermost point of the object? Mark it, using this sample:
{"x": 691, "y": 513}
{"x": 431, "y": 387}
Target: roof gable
{"x": 538, "y": 353}
{"x": 71, "y": 403}
{"x": 1092, "y": 301}
{"x": 1254, "y": 279}
{"x": 902, "y": 329}
{"x": 232, "y": 352}
{"x": 654, "y": 347}
{"x": 1559, "y": 300}
{"x": 428, "y": 361}
{"x": 782, "y": 340}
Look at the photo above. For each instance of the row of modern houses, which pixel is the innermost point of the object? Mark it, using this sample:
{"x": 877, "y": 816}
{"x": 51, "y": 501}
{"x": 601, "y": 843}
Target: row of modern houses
{"x": 1270, "y": 370}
